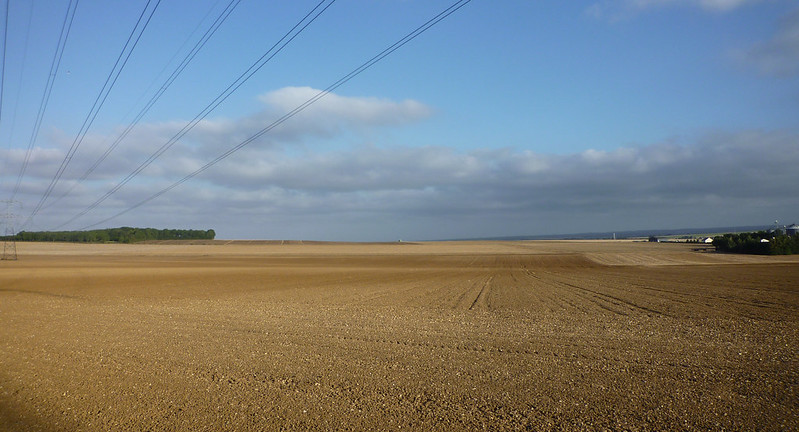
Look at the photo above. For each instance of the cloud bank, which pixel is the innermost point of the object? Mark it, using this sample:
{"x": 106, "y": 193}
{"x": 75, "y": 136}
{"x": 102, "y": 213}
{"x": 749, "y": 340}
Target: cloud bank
{"x": 276, "y": 188}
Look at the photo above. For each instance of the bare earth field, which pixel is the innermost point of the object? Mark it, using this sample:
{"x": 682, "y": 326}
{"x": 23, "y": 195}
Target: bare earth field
{"x": 542, "y": 335}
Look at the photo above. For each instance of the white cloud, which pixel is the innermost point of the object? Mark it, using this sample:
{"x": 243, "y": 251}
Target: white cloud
{"x": 620, "y": 9}
{"x": 327, "y": 117}
{"x": 724, "y": 5}
{"x": 334, "y": 111}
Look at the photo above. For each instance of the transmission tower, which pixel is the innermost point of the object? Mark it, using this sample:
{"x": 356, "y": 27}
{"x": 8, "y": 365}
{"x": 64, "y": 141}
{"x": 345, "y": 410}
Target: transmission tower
{"x": 9, "y": 240}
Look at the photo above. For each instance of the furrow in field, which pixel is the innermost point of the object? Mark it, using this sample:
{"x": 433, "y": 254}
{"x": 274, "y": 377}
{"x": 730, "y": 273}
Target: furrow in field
{"x": 482, "y": 295}
{"x": 514, "y": 289}
{"x": 576, "y": 296}
{"x": 601, "y": 284}
{"x": 548, "y": 294}
{"x": 468, "y": 294}
{"x": 617, "y": 300}
{"x": 605, "y": 285}
{"x": 689, "y": 293}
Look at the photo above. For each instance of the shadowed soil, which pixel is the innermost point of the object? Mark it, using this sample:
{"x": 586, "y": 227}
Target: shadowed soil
{"x": 537, "y": 335}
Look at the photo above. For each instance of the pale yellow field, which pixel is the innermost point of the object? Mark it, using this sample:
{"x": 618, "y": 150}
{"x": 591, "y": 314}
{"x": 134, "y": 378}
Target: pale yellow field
{"x": 544, "y": 335}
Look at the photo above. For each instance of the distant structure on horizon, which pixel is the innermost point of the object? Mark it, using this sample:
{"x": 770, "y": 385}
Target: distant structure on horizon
{"x": 9, "y": 241}
{"x": 792, "y": 230}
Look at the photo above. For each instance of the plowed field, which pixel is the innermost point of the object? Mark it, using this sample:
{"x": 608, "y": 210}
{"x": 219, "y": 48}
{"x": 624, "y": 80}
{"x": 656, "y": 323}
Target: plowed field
{"x": 248, "y": 336}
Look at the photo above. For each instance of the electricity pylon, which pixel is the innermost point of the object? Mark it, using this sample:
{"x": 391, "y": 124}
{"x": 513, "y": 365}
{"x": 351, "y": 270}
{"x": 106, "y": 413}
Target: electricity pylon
{"x": 9, "y": 239}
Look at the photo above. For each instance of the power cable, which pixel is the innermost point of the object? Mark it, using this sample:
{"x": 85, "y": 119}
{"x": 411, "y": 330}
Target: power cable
{"x": 3, "y": 73}
{"x": 3, "y": 67}
{"x": 119, "y": 65}
{"x": 322, "y": 93}
{"x": 171, "y": 60}
{"x": 172, "y": 77}
{"x": 295, "y": 31}
{"x": 48, "y": 88}
{"x": 12, "y": 128}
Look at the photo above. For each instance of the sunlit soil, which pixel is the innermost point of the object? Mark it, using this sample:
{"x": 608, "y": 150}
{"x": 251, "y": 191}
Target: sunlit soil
{"x": 583, "y": 335}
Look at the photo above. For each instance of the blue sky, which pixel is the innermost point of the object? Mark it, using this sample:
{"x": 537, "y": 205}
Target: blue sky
{"x": 506, "y": 118}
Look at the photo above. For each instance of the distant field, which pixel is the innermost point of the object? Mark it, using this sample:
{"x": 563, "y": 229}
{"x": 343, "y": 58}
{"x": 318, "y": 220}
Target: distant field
{"x": 527, "y": 335}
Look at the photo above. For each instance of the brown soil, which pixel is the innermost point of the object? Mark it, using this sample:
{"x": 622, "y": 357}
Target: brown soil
{"x": 428, "y": 336}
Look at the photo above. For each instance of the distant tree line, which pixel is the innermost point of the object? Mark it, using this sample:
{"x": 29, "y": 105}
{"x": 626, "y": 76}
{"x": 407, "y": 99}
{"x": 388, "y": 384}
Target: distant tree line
{"x": 776, "y": 243}
{"x": 115, "y": 235}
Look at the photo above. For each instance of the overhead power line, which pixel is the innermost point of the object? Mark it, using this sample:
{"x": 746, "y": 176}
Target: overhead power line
{"x": 9, "y": 239}
{"x": 295, "y": 31}
{"x": 18, "y": 88}
{"x": 48, "y": 88}
{"x": 172, "y": 77}
{"x": 116, "y": 70}
{"x": 3, "y": 66}
{"x": 322, "y": 93}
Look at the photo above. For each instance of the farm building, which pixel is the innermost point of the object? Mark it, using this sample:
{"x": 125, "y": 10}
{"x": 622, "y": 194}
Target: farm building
{"x": 792, "y": 230}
